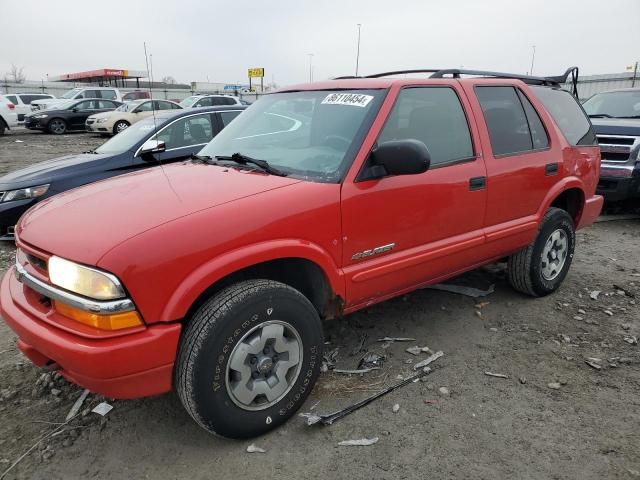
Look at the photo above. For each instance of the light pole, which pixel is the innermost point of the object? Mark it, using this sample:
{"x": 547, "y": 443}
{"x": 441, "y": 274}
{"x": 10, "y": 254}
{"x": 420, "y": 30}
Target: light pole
{"x": 533, "y": 57}
{"x": 310, "y": 67}
{"x": 358, "y": 50}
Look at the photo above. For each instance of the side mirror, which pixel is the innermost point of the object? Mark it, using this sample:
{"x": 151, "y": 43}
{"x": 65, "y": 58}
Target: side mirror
{"x": 74, "y": 110}
{"x": 397, "y": 157}
{"x": 152, "y": 146}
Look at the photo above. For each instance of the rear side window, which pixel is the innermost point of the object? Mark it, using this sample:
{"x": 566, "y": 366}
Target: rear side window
{"x": 110, "y": 94}
{"x": 434, "y": 116}
{"x": 12, "y": 98}
{"x": 538, "y": 133}
{"x": 27, "y": 99}
{"x": 226, "y": 117}
{"x": 567, "y": 114}
{"x": 506, "y": 121}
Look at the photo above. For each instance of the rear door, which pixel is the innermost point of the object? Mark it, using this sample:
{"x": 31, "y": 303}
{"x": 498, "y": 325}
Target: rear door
{"x": 523, "y": 161}
{"x": 79, "y": 113}
{"x": 425, "y": 225}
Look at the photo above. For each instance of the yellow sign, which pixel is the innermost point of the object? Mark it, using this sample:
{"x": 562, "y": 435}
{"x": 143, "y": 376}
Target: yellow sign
{"x": 256, "y": 72}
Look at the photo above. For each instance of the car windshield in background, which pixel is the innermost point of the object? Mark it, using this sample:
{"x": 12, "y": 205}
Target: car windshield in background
{"x": 187, "y": 102}
{"x": 126, "y": 139}
{"x": 127, "y": 106}
{"x": 614, "y": 104}
{"x": 62, "y": 105}
{"x": 71, "y": 93}
{"x": 307, "y": 134}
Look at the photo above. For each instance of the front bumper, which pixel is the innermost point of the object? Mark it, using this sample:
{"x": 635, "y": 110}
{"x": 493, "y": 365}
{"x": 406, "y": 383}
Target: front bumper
{"x": 10, "y": 212}
{"x": 33, "y": 123}
{"x": 615, "y": 189}
{"x": 130, "y": 365}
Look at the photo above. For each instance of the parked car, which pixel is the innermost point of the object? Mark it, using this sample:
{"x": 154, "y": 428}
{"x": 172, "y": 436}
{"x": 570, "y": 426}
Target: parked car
{"x": 195, "y": 101}
{"x": 8, "y": 115}
{"x": 22, "y": 101}
{"x": 172, "y": 136}
{"x": 616, "y": 120}
{"x": 135, "y": 95}
{"x": 113, "y": 122}
{"x": 68, "y": 115}
{"x": 106, "y": 93}
{"x": 212, "y": 276}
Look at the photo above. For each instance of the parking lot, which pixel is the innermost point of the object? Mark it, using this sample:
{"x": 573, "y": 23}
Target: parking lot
{"x": 554, "y": 416}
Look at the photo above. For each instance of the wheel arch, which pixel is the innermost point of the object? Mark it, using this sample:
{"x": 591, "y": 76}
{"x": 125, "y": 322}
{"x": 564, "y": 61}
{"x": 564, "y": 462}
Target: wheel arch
{"x": 567, "y": 195}
{"x": 303, "y": 266}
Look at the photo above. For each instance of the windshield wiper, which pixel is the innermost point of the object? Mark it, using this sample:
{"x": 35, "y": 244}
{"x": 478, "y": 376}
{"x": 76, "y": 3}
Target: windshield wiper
{"x": 630, "y": 116}
{"x": 600, "y": 115}
{"x": 244, "y": 160}
{"x": 91, "y": 151}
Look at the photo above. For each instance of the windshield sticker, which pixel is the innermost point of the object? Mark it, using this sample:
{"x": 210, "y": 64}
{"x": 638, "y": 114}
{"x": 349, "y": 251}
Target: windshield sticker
{"x": 354, "y": 99}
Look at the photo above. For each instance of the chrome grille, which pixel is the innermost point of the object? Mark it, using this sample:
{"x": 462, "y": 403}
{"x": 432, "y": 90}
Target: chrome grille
{"x": 617, "y": 148}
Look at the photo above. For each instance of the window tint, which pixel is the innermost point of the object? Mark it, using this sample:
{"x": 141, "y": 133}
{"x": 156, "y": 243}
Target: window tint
{"x": 187, "y": 131}
{"x": 226, "y": 117}
{"x": 229, "y": 101}
{"x": 92, "y": 94}
{"x": 538, "y": 133}
{"x": 110, "y": 94}
{"x": 27, "y": 99}
{"x": 160, "y": 105}
{"x": 84, "y": 105}
{"x": 434, "y": 116}
{"x": 505, "y": 118}
{"x": 216, "y": 101}
{"x": 83, "y": 94}
{"x": 102, "y": 104}
{"x": 175, "y": 107}
{"x": 144, "y": 107}
{"x": 12, "y": 98}
{"x": 567, "y": 114}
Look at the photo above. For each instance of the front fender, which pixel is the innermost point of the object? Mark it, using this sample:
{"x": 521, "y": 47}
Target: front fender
{"x": 219, "y": 267}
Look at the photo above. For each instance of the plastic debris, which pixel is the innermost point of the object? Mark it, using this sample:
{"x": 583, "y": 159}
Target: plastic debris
{"x": 429, "y": 360}
{"x": 396, "y": 339}
{"x": 418, "y": 350}
{"x": 253, "y": 449}
{"x": 102, "y": 409}
{"x": 498, "y": 375}
{"x": 354, "y": 372}
{"x": 609, "y": 312}
{"x": 19, "y": 141}
{"x": 631, "y": 339}
{"x": 371, "y": 360}
{"x": 328, "y": 419}
{"x": 462, "y": 290}
{"x": 396, "y": 408}
{"x": 362, "y": 442}
{"x": 593, "y": 364}
{"x": 77, "y": 405}
{"x": 554, "y": 385}
{"x": 593, "y": 295}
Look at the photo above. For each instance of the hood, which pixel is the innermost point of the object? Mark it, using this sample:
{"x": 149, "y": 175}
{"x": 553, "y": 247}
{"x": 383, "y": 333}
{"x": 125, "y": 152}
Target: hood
{"x": 616, "y": 126}
{"x": 50, "y": 110}
{"x": 50, "y": 170}
{"x": 85, "y": 223}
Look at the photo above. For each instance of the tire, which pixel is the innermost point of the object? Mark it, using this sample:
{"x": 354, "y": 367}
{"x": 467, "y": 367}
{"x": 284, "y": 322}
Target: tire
{"x": 119, "y": 126}
{"x": 221, "y": 361}
{"x": 3, "y": 126}
{"x": 57, "y": 126}
{"x": 540, "y": 268}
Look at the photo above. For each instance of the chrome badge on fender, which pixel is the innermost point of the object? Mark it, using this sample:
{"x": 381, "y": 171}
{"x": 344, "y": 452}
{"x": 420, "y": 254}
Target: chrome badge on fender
{"x": 373, "y": 251}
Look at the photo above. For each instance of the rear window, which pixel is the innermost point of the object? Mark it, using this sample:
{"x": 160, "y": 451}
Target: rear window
{"x": 568, "y": 115}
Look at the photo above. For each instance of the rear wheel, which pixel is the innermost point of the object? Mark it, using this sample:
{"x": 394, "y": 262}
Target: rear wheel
{"x": 540, "y": 268}
{"x": 249, "y": 358}
{"x": 119, "y": 126}
{"x": 57, "y": 126}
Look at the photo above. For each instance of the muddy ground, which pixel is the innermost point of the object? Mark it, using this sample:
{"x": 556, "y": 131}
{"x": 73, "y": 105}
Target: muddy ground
{"x": 553, "y": 417}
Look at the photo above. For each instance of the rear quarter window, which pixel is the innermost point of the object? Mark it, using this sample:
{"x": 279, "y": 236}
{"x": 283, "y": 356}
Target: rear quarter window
{"x": 568, "y": 115}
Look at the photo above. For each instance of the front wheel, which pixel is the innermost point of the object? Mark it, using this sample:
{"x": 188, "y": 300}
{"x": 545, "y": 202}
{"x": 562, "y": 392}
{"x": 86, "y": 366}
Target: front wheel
{"x": 249, "y": 358}
{"x": 57, "y": 126}
{"x": 119, "y": 126}
{"x": 540, "y": 268}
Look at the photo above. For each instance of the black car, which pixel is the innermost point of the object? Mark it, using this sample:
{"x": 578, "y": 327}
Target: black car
{"x": 68, "y": 115}
{"x": 616, "y": 120}
{"x": 170, "y": 136}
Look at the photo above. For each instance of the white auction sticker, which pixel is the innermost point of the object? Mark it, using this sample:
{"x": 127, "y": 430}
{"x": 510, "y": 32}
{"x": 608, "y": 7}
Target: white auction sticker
{"x": 354, "y": 99}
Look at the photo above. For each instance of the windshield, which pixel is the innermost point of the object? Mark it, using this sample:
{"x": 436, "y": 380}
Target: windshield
{"x": 614, "y": 104}
{"x": 62, "y": 105}
{"x": 187, "y": 102}
{"x": 310, "y": 134}
{"x": 71, "y": 93}
{"x": 127, "y": 138}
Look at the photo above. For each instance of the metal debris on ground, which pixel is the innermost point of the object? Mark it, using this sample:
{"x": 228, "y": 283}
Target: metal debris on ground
{"x": 329, "y": 360}
{"x": 371, "y": 360}
{"x": 396, "y": 339}
{"x": 631, "y": 339}
{"x": 102, "y": 409}
{"x": 594, "y": 294}
{"x": 77, "y": 405}
{"x": 428, "y": 360}
{"x": 497, "y": 375}
{"x": 354, "y": 372}
{"x": 253, "y": 449}
{"x": 462, "y": 290}
{"x": 328, "y": 419}
{"x": 361, "y": 442}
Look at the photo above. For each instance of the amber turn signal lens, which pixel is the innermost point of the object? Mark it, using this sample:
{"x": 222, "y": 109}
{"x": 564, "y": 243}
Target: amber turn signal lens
{"x": 115, "y": 321}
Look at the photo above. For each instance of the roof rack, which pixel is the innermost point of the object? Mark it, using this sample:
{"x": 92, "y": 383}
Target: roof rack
{"x": 456, "y": 73}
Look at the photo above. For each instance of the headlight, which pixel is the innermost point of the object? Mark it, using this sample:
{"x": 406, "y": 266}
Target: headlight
{"x": 42, "y": 115}
{"x": 101, "y": 120}
{"x": 84, "y": 280}
{"x": 25, "y": 193}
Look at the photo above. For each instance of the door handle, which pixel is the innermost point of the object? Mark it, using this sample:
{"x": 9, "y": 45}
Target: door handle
{"x": 477, "y": 183}
{"x": 551, "y": 169}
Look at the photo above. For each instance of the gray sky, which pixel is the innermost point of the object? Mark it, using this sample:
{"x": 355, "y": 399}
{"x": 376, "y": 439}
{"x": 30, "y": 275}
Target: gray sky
{"x": 193, "y": 39}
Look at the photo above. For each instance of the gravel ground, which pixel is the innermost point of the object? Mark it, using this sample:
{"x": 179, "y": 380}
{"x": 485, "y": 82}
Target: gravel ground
{"x": 554, "y": 416}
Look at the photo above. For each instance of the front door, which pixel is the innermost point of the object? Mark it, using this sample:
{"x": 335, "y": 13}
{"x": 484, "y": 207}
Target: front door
{"x": 402, "y": 231}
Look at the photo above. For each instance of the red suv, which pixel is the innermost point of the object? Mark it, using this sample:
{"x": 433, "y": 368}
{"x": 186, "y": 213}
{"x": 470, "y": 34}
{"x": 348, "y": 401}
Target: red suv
{"x": 212, "y": 276}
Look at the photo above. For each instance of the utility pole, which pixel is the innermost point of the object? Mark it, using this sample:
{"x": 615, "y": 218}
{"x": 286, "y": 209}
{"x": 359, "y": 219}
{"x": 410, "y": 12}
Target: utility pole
{"x": 310, "y": 67}
{"x": 635, "y": 71}
{"x": 533, "y": 57}
{"x": 358, "y": 50}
